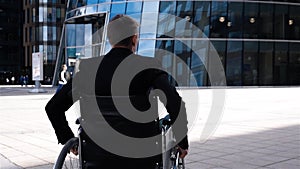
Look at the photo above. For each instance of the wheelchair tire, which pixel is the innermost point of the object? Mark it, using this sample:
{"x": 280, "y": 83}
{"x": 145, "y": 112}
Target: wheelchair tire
{"x": 67, "y": 160}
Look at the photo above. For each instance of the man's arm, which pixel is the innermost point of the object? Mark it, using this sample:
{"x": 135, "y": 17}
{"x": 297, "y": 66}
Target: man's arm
{"x": 174, "y": 106}
{"x": 56, "y": 108}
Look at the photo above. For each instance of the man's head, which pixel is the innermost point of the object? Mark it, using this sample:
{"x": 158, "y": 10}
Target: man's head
{"x": 122, "y": 31}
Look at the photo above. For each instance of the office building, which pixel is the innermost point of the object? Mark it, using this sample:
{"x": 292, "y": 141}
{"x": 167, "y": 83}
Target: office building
{"x": 257, "y": 42}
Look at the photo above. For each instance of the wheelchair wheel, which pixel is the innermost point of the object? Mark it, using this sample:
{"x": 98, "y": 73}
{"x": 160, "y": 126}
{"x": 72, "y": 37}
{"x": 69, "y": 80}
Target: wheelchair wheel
{"x": 67, "y": 160}
{"x": 177, "y": 163}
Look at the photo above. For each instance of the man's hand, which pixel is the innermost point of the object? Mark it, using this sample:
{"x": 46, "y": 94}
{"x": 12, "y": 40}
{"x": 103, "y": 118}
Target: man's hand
{"x": 182, "y": 152}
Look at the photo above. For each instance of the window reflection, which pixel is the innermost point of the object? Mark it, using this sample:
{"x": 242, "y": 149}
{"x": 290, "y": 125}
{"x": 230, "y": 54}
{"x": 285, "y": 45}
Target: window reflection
{"x": 199, "y": 61}
{"x": 118, "y": 8}
{"x": 149, "y": 20}
{"x": 165, "y": 54}
{"x": 251, "y": 20}
{"x": 166, "y": 25}
{"x": 201, "y": 18}
{"x": 234, "y": 63}
{"x": 183, "y": 54}
{"x": 134, "y": 10}
{"x": 219, "y": 19}
{"x": 184, "y": 13}
{"x": 235, "y": 19}
{"x": 294, "y": 23}
{"x": 281, "y": 21}
{"x": 146, "y": 48}
{"x": 89, "y": 2}
{"x": 280, "y": 63}
{"x": 266, "y": 21}
{"x": 250, "y": 72}
{"x": 294, "y": 64}
{"x": 265, "y": 63}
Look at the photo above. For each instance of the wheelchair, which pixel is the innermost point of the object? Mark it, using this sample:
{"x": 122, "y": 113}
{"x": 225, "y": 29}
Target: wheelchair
{"x": 170, "y": 157}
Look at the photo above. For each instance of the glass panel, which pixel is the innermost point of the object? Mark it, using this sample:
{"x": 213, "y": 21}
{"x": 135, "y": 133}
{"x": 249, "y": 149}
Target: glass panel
{"x": 280, "y": 64}
{"x": 266, "y": 21}
{"x": 219, "y": 19}
{"x": 146, "y": 48}
{"x": 70, "y": 34}
{"x": 118, "y": 8}
{"x": 294, "y": 23}
{"x": 235, "y": 19}
{"x": 184, "y": 13}
{"x": 58, "y": 16}
{"x": 281, "y": 21}
{"x": 251, "y": 20}
{"x": 166, "y": 25}
{"x": 165, "y": 54}
{"x": 45, "y": 33}
{"x": 103, "y": 7}
{"x": 41, "y": 14}
{"x": 134, "y": 10}
{"x": 250, "y": 74}
{"x": 294, "y": 64}
{"x": 201, "y": 19}
{"x": 149, "y": 20}
{"x": 91, "y": 9}
{"x": 265, "y": 61}
{"x": 75, "y": 52}
{"x": 33, "y": 15}
{"x": 53, "y": 18}
{"x": 182, "y": 51}
{"x": 89, "y": 2}
{"x": 234, "y": 63}
{"x": 198, "y": 62}
{"x": 79, "y": 34}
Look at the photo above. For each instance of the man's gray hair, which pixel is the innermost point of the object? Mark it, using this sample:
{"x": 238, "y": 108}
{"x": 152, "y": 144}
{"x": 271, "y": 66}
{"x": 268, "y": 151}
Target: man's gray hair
{"x": 120, "y": 29}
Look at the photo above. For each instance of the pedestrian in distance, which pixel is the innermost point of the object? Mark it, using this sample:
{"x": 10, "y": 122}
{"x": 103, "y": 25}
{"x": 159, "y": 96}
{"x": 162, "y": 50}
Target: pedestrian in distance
{"x": 63, "y": 78}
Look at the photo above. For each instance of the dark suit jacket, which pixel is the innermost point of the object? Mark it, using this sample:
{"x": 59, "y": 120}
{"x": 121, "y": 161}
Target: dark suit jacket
{"x": 101, "y": 85}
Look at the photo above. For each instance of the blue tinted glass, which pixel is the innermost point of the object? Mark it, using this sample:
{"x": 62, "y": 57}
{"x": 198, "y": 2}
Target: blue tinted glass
{"x": 103, "y": 8}
{"x": 70, "y": 34}
{"x": 91, "y": 9}
{"x": 234, "y": 63}
{"x": 150, "y": 6}
{"x": 251, "y": 20}
{"x": 79, "y": 35}
{"x": 201, "y": 19}
{"x": 266, "y": 24}
{"x": 265, "y": 62}
{"x": 184, "y": 12}
{"x": 146, "y": 48}
{"x": 117, "y": 9}
{"x": 250, "y": 72}
{"x": 134, "y": 10}
{"x": 133, "y": 7}
{"x": 148, "y": 25}
{"x": 166, "y": 19}
{"x": 91, "y": 2}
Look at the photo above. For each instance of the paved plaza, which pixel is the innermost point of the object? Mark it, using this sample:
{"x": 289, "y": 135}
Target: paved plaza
{"x": 259, "y": 129}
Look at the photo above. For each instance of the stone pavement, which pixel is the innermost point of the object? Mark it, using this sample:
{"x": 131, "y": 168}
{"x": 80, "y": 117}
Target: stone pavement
{"x": 260, "y": 128}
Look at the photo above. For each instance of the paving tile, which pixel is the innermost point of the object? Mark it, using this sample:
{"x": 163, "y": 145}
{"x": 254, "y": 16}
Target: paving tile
{"x": 238, "y": 165}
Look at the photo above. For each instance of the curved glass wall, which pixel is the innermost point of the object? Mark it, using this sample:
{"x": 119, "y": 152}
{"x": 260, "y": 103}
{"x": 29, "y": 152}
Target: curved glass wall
{"x": 256, "y": 41}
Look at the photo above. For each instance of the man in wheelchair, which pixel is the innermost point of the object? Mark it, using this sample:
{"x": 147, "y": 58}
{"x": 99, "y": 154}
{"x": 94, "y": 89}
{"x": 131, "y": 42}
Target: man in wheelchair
{"x": 122, "y": 32}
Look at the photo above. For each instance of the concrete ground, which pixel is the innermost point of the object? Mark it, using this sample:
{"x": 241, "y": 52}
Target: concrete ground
{"x": 259, "y": 128}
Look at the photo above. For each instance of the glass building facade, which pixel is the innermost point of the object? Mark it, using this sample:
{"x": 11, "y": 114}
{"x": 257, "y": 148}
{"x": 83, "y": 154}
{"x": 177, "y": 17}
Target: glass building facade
{"x": 257, "y": 42}
{"x": 43, "y": 23}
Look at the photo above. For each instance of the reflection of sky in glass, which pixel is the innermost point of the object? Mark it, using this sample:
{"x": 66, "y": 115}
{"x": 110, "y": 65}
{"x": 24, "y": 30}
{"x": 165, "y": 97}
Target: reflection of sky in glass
{"x": 148, "y": 25}
{"x": 91, "y": 2}
{"x": 146, "y": 48}
{"x": 117, "y": 9}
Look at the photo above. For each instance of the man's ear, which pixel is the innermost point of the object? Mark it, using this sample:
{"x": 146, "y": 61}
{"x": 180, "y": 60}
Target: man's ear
{"x": 134, "y": 40}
